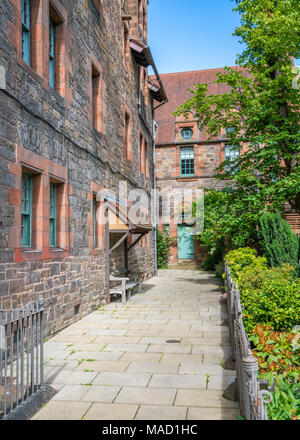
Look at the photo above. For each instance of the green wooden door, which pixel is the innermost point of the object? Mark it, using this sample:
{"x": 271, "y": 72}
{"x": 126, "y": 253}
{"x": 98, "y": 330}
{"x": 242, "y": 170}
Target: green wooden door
{"x": 186, "y": 248}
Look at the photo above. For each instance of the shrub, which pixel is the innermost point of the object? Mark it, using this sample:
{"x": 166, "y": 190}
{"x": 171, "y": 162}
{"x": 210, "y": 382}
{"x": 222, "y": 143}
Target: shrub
{"x": 278, "y": 241}
{"x": 275, "y": 352}
{"x": 270, "y": 296}
{"x": 244, "y": 257}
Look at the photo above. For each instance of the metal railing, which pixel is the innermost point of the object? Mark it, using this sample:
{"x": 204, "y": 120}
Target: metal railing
{"x": 253, "y": 399}
{"x": 21, "y": 354}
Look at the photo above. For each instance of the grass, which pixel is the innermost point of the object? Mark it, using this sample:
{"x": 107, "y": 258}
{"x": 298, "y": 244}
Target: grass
{"x": 207, "y": 380}
{"x": 221, "y": 363}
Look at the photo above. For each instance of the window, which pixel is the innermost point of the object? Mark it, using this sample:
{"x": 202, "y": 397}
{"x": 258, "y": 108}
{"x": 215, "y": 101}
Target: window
{"x": 126, "y": 45}
{"x": 187, "y": 134}
{"x": 229, "y": 131}
{"x": 141, "y": 155}
{"x": 96, "y": 99}
{"x": 26, "y": 210}
{"x": 146, "y": 159}
{"x": 26, "y": 33}
{"x": 232, "y": 153}
{"x": 127, "y": 134}
{"x": 97, "y": 231}
{"x": 166, "y": 230}
{"x": 52, "y": 54}
{"x": 187, "y": 161}
{"x": 53, "y": 188}
{"x": 94, "y": 220}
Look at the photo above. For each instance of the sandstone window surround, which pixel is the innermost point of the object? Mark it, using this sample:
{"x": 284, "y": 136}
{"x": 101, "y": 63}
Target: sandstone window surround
{"x": 95, "y": 222}
{"x": 146, "y": 159}
{"x": 187, "y": 161}
{"x": 98, "y": 5}
{"x": 30, "y": 35}
{"x": 29, "y": 235}
{"x": 96, "y": 89}
{"x": 144, "y": 151}
{"x": 187, "y": 133}
{"x": 128, "y": 134}
{"x": 126, "y": 46}
{"x": 232, "y": 154}
{"x": 58, "y": 205}
{"x": 57, "y": 77}
{"x": 142, "y": 20}
{"x": 142, "y": 154}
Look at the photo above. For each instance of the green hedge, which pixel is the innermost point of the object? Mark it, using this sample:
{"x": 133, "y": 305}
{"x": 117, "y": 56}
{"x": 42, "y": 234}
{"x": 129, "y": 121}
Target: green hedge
{"x": 269, "y": 295}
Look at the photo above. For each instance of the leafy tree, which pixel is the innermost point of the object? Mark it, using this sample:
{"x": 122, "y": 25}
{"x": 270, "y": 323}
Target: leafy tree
{"x": 279, "y": 243}
{"x": 262, "y": 104}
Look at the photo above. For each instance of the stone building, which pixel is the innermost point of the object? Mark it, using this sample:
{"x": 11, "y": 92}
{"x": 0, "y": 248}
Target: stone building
{"x": 76, "y": 118}
{"x": 186, "y": 157}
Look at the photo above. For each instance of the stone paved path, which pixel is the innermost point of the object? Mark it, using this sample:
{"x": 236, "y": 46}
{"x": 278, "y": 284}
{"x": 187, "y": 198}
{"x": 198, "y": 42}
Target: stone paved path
{"x": 120, "y": 363}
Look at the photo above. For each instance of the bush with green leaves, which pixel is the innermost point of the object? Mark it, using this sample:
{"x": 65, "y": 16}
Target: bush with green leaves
{"x": 242, "y": 258}
{"x": 163, "y": 244}
{"x": 278, "y": 241}
{"x": 270, "y": 296}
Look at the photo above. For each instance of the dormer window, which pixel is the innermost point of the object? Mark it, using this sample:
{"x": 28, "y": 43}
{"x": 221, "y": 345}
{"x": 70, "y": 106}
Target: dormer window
{"x": 187, "y": 134}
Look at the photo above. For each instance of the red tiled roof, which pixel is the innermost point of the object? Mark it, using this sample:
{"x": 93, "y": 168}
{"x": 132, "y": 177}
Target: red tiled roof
{"x": 176, "y": 86}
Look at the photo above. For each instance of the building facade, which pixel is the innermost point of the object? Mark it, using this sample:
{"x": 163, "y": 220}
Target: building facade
{"x": 187, "y": 158}
{"x": 76, "y": 118}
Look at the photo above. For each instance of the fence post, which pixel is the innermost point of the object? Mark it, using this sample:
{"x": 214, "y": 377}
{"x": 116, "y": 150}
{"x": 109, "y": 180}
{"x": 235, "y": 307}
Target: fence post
{"x": 250, "y": 364}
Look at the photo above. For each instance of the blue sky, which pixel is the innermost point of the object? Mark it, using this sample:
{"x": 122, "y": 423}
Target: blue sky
{"x": 193, "y": 34}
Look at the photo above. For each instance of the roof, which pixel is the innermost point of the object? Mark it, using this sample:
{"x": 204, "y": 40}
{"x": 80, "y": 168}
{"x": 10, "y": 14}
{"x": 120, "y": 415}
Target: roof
{"x": 176, "y": 86}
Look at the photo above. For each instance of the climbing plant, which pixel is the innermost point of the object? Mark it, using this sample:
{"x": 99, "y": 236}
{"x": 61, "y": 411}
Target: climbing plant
{"x": 163, "y": 244}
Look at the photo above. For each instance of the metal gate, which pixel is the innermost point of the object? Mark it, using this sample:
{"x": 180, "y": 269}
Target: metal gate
{"x": 21, "y": 354}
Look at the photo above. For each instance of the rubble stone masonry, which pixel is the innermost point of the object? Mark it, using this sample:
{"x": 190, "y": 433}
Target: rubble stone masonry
{"x": 72, "y": 135}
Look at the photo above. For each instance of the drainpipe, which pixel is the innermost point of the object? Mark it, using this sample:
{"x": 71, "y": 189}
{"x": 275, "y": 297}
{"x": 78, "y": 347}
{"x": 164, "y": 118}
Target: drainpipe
{"x": 154, "y": 195}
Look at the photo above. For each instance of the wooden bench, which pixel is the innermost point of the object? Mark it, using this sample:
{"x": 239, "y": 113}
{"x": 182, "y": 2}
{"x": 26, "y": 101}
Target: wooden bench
{"x": 125, "y": 286}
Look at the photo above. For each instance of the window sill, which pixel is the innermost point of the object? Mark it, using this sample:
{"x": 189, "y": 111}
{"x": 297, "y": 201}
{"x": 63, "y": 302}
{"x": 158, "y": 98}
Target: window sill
{"x": 31, "y": 71}
{"x": 56, "y": 249}
{"x": 97, "y": 251}
{"x": 31, "y": 251}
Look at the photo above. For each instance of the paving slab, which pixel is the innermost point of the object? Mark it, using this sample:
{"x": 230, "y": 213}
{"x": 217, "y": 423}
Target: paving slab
{"x": 108, "y": 366}
{"x": 153, "y": 367}
{"x": 203, "y": 399}
{"x": 123, "y": 379}
{"x": 177, "y": 381}
{"x": 147, "y": 396}
{"x": 101, "y": 394}
{"x": 212, "y": 414}
{"x": 111, "y": 411}
{"x": 71, "y": 393}
{"x": 156, "y": 412}
{"x": 56, "y": 410}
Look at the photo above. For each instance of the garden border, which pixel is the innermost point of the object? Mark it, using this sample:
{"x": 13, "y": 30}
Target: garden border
{"x": 252, "y": 393}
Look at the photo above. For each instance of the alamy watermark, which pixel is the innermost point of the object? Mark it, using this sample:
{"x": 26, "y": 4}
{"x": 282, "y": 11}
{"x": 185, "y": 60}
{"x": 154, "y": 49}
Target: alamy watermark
{"x": 136, "y": 206}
